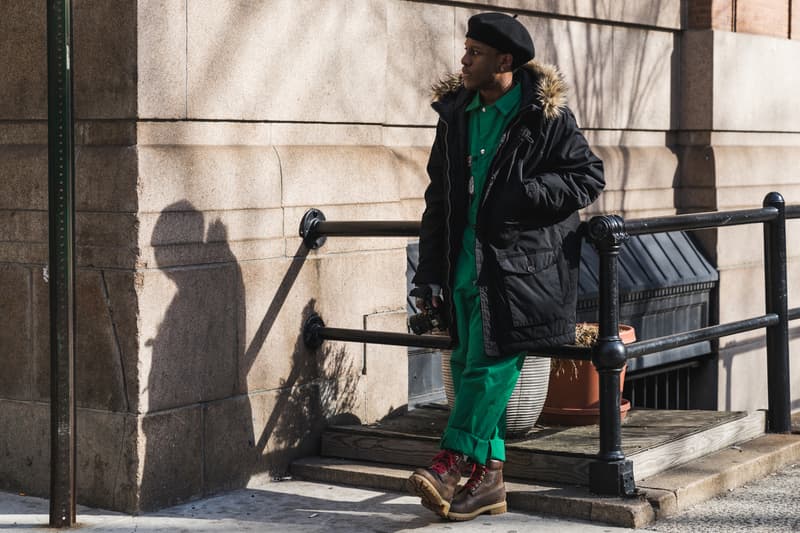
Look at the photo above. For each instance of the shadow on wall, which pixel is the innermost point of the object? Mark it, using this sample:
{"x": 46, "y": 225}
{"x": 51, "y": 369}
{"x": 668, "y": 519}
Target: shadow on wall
{"x": 203, "y": 431}
{"x": 757, "y": 391}
{"x": 620, "y": 101}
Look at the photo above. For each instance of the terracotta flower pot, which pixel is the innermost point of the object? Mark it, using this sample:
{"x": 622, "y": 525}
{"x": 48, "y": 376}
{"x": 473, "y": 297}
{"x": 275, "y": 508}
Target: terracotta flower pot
{"x": 573, "y": 396}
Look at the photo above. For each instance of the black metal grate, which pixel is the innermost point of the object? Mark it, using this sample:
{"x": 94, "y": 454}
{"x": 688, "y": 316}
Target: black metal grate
{"x": 663, "y": 388}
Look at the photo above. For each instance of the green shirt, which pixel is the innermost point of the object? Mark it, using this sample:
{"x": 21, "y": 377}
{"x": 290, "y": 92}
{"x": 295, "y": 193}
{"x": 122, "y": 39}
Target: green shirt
{"x": 486, "y": 127}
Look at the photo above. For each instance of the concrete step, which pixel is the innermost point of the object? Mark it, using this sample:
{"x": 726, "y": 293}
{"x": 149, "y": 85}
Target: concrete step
{"x": 559, "y": 500}
{"x": 680, "y": 488}
{"x": 660, "y": 495}
{"x": 654, "y": 440}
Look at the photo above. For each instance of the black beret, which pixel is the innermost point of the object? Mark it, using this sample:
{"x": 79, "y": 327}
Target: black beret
{"x": 503, "y": 32}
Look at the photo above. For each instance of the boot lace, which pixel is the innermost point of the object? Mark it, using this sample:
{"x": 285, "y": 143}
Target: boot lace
{"x": 444, "y": 461}
{"x": 475, "y": 480}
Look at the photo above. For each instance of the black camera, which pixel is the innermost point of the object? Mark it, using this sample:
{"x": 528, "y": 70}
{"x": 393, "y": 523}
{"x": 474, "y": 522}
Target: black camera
{"x": 430, "y": 318}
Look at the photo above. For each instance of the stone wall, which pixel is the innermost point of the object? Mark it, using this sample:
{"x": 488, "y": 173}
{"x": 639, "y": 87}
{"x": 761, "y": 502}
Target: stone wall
{"x": 206, "y": 128}
{"x": 740, "y": 132}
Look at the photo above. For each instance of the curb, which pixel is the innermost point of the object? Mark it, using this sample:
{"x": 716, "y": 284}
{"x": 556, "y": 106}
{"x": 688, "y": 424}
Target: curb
{"x": 682, "y": 487}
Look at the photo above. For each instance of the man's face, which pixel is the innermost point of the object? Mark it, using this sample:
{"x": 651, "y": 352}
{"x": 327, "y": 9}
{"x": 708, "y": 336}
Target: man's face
{"x": 480, "y": 65}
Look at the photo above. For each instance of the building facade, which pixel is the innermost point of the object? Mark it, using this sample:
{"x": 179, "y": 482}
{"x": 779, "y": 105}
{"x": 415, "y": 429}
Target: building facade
{"x": 206, "y": 128}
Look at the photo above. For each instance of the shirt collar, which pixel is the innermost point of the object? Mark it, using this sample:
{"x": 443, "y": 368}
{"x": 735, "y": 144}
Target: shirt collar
{"x": 475, "y": 103}
{"x": 505, "y": 104}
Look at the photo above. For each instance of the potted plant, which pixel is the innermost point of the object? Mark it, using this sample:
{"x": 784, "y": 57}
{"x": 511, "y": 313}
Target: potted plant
{"x": 573, "y": 396}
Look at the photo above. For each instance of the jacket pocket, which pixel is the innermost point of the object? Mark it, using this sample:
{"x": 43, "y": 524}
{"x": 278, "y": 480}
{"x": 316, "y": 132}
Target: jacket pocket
{"x": 531, "y": 287}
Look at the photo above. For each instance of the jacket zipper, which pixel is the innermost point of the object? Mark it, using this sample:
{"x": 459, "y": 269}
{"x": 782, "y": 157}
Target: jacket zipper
{"x": 450, "y": 303}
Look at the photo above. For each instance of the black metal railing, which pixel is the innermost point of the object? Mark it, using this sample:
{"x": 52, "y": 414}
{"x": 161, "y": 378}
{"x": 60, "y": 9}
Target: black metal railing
{"x": 611, "y": 472}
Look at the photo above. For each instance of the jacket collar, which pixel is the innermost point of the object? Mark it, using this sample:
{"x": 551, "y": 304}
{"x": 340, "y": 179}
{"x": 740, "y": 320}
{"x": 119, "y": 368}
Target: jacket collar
{"x": 543, "y": 87}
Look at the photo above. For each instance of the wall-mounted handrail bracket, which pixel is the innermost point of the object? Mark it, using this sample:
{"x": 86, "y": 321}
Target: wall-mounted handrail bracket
{"x": 311, "y": 331}
{"x": 308, "y": 229}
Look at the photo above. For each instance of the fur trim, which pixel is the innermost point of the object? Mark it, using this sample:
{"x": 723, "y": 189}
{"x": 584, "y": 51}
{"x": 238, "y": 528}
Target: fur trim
{"x": 551, "y": 89}
{"x": 446, "y": 85}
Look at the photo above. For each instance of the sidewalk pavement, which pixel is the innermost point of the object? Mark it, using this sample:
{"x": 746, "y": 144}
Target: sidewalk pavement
{"x": 769, "y": 505}
{"x": 286, "y": 507}
{"x": 745, "y": 500}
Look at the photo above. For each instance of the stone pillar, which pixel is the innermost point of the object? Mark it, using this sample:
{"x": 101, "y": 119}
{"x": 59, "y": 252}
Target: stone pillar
{"x": 106, "y": 169}
{"x": 739, "y": 141}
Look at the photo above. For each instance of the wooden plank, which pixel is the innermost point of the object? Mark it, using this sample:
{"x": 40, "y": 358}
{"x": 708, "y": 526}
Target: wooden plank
{"x": 697, "y": 444}
{"x": 653, "y": 440}
{"x": 415, "y": 451}
{"x": 357, "y": 473}
{"x": 419, "y": 451}
{"x": 547, "y": 467}
{"x": 424, "y": 421}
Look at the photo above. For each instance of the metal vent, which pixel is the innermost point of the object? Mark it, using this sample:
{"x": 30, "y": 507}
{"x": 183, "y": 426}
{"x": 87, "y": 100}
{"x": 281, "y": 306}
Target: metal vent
{"x": 664, "y": 285}
{"x": 665, "y": 388}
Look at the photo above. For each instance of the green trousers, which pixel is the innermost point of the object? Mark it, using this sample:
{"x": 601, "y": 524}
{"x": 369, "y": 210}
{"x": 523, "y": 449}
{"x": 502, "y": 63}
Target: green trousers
{"x": 482, "y": 384}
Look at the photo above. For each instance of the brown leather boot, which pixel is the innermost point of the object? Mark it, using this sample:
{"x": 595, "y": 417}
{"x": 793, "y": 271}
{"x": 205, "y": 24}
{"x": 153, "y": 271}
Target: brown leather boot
{"x": 484, "y": 492}
{"x": 437, "y": 483}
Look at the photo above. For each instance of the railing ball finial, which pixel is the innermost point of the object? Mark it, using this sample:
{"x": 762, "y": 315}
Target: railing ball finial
{"x": 774, "y": 199}
{"x": 607, "y": 229}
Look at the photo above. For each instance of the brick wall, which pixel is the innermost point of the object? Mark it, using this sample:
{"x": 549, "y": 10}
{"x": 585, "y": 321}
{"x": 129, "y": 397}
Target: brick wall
{"x": 778, "y": 18}
{"x": 764, "y": 17}
{"x": 711, "y": 14}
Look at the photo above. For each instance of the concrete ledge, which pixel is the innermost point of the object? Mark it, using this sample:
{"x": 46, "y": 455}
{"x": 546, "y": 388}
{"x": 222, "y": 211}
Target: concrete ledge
{"x": 578, "y": 503}
{"x": 679, "y": 488}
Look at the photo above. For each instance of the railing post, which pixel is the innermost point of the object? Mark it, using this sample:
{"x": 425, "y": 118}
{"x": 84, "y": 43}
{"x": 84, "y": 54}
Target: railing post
{"x": 611, "y": 473}
{"x": 779, "y": 398}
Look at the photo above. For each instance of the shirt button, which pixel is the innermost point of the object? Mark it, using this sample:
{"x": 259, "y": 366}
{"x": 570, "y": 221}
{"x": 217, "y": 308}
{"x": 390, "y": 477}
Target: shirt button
{"x": 483, "y": 110}
{"x": 483, "y": 151}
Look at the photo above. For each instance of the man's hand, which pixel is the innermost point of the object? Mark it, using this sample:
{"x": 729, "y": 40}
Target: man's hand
{"x": 422, "y": 305}
{"x": 425, "y": 298}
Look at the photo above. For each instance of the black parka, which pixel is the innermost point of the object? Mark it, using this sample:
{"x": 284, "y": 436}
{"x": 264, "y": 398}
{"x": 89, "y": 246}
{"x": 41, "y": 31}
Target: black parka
{"x": 527, "y": 250}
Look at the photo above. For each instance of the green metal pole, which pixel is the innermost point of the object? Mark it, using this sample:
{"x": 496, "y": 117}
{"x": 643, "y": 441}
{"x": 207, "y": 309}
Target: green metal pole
{"x": 61, "y": 190}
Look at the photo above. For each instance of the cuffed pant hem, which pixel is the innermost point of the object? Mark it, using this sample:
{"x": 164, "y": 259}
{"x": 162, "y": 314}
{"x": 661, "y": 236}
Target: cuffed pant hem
{"x": 477, "y": 449}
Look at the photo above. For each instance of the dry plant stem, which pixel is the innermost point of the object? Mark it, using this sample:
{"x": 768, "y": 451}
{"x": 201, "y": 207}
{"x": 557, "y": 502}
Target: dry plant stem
{"x": 585, "y": 335}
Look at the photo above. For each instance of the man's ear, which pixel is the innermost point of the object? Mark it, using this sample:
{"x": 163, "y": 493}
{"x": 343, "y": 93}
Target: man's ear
{"x": 506, "y": 61}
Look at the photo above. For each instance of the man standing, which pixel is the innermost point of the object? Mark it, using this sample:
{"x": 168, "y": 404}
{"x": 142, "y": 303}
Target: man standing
{"x": 509, "y": 170}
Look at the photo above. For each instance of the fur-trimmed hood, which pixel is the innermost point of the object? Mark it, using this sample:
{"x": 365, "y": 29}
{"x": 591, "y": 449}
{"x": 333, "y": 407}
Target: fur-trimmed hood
{"x": 551, "y": 89}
